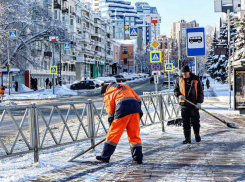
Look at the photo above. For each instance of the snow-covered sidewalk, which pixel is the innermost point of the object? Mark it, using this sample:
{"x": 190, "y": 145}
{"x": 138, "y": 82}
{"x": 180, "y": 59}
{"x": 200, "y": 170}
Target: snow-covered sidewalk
{"x": 219, "y": 157}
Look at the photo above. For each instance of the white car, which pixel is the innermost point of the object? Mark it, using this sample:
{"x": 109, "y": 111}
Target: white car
{"x": 107, "y": 79}
{"x": 134, "y": 76}
{"x": 143, "y": 75}
{"x": 97, "y": 82}
{"x": 165, "y": 85}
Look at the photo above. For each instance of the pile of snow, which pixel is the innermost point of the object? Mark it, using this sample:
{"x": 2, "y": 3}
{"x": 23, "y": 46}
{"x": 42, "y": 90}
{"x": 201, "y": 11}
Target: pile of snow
{"x": 107, "y": 79}
{"x": 22, "y": 88}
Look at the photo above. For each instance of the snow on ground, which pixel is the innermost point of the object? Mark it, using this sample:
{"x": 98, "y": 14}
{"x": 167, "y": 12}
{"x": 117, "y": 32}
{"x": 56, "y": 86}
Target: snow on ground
{"x": 28, "y": 94}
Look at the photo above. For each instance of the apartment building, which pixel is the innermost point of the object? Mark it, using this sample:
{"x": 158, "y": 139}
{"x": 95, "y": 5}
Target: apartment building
{"x": 145, "y": 11}
{"x": 178, "y": 34}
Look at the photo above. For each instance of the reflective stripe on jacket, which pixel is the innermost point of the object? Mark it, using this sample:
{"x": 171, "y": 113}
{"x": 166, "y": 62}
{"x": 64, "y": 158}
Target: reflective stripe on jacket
{"x": 121, "y": 100}
{"x": 182, "y": 87}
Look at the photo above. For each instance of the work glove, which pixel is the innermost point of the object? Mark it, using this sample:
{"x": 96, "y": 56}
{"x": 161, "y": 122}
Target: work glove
{"x": 182, "y": 97}
{"x": 110, "y": 120}
{"x": 199, "y": 105}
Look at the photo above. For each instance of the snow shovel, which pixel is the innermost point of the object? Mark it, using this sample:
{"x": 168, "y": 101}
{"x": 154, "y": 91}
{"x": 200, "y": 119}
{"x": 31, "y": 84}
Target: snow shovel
{"x": 230, "y": 125}
{"x": 83, "y": 152}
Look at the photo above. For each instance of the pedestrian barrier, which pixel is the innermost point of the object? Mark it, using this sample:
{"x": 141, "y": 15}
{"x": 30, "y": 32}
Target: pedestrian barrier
{"x": 34, "y": 127}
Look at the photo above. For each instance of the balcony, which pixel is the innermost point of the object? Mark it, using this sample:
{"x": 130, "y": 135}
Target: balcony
{"x": 85, "y": 29}
{"x": 84, "y": 18}
{"x": 97, "y": 43}
{"x": 97, "y": 25}
{"x": 57, "y": 5}
{"x": 65, "y": 10}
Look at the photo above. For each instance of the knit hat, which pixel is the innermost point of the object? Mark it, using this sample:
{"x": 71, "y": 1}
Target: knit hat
{"x": 103, "y": 88}
{"x": 185, "y": 69}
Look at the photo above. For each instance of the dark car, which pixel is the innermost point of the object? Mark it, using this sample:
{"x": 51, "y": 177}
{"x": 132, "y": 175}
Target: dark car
{"x": 120, "y": 78}
{"x": 152, "y": 79}
{"x": 83, "y": 85}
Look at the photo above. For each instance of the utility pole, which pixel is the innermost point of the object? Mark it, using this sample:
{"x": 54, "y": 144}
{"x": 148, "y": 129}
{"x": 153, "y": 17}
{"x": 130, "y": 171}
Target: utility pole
{"x": 196, "y": 66}
{"x": 179, "y": 55}
{"x": 53, "y": 65}
{"x": 60, "y": 80}
{"x": 229, "y": 60}
{"x": 8, "y": 67}
{"x": 168, "y": 71}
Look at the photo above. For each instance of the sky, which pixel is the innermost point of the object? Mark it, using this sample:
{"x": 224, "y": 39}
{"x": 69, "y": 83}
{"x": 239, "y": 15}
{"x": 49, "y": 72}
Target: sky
{"x": 174, "y": 10}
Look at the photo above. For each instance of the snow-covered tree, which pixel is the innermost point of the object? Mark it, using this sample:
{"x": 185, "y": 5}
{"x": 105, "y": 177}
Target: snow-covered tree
{"x": 240, "y": 43}
{"x": 34, "y": 24}
{"x": 216, "y": 64}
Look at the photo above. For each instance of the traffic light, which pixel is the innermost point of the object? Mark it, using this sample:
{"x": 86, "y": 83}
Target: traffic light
{"x": 59, "y": 68}
{"x": 8, "y": 67}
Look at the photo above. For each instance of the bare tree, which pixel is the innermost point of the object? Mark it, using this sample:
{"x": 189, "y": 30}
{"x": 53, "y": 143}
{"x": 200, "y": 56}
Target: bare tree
{"x": 34, "y": 24}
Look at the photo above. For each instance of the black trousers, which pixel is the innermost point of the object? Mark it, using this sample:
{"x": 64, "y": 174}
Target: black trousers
{"x": 191, "y": 116}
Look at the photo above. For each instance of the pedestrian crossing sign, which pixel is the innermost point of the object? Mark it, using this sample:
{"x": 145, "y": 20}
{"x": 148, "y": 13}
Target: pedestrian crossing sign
{"x": 2, "y": 45}
{"x": 133, "y": 32}
{"x": 13, "y": 34}
{"x": 53, "y": 70}
{"x": 67, "y": 46}
{"x": 155, "y": 56}
{"x": 169, "y": 67}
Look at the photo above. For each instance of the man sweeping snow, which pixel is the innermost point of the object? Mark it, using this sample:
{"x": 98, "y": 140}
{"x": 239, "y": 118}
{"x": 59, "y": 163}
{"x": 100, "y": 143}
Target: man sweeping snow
{"x": 189, "y": 87}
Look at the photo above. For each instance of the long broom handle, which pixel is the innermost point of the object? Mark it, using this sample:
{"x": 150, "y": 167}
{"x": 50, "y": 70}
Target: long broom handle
{"x": 87, "y": 150}
{"x": 207, "y": 112}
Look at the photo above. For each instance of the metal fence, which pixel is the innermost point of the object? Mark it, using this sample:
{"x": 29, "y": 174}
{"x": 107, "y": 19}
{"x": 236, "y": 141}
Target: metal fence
{"x": 37, "y": 127}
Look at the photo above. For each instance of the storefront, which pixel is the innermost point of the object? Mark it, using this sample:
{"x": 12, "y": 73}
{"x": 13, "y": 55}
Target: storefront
{"x": 102, "y": 68}
{"x": 239, "y": 89}
{"x": 96, "y": 69}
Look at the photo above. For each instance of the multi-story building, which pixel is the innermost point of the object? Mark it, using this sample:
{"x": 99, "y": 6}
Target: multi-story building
{"x": 178, "y": 34}
{"x": 121, "y": 12}
{"x": 145, "y": 11}
{"x": 127, "y": 55}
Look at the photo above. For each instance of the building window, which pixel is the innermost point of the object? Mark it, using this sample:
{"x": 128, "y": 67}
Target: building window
{"x": 125, "y": 50}
{"x": 125, "y": 61}
{"x": 55, "y": 14}
{"x": 71, "y": 21}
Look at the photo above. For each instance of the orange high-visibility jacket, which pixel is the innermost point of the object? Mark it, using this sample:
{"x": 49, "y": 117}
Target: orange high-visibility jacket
{"x": 121, "y": 100}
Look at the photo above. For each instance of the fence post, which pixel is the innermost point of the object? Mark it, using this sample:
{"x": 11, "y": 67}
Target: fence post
{"x": 35, "y": 133}
{"x": 161, "y": 112}
{"x": 30, "y": 118}
{"x": 91, "y": 125}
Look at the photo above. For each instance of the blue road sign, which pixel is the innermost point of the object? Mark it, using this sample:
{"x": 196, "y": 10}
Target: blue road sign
{"x": 133, "y": 32}
{"x": 173, "y": 62}
{"x": 2, "y": 45}
{"x": 155, "y": 66}
{"x": 67, "y": 46}
{"x": 13, "y": 34}
{"x": 169, "y": 67}
{"x": 53, "y": 69}
{"x": 195, "y": 40}
{"x": 155, "y": 56}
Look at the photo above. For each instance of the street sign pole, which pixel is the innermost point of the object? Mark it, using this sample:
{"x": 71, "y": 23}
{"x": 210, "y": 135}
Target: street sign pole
{"x": 169, "y": 71}
{"x": 229, "y": 59}
{"x": 196, "y": 66}
{"x": 179, "y": 61}
{"x": 53, "y": 65}
{"x": 8, "y": 67}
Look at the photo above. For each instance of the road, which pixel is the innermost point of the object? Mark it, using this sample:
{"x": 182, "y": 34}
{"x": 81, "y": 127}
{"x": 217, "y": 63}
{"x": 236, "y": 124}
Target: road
{"x": 7, "y": 127}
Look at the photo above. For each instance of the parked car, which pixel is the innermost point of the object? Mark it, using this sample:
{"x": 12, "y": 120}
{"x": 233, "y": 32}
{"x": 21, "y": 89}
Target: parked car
{"x": 143, "y": 75}
{"x": 97, "y": 82}
{"x": 107, "y": 79}
{"x": 165, "y": 85}
{"x": 134, "y": 76}
{"x": 87, "y": 84}
{"x": 152, "y": 79}
{"x": 120, "y": 78}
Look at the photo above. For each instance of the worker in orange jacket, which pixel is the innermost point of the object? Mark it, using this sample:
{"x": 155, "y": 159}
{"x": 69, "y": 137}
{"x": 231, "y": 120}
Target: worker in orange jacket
{"x": 124, "y": 112}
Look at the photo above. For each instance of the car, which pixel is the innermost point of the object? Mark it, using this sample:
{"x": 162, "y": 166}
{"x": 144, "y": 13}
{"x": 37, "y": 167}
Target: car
{"x": 86, "y": 84}
{"x": 165, "y": 85}
{"x": 152, "y": 79}
{"x": 97, "y": 82}
{"x": 107, "y": 79}
{"x": 134, "y": 76}
{"x": 143, "y": 75}
{"x": 120, "y": 78}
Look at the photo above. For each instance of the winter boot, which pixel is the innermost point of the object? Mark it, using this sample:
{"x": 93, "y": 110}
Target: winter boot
{"x": 107, "y": 152}
{"x": 187, "y": 134}
{"x": 197, "y": 137}
{"x": 137, "y": 155}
